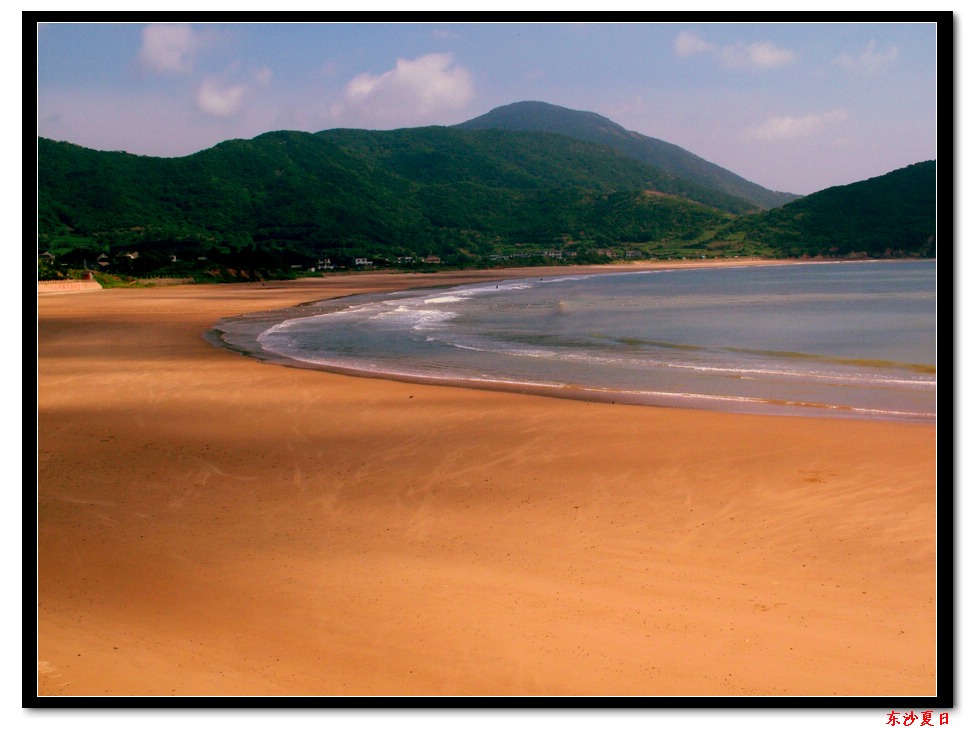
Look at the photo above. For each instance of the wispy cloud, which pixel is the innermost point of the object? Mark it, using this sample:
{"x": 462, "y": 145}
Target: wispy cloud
{"x": 218, "y": 99}
{"x": 791, "y": 128}
{"x": 414, "y": 91}
{"x": 168, "y": 48}
{"x": 225, "y": 94}
{"x": 737, "y": 55}
{"x": 870, "y": 62}
{"x": 690, "y": 44}
{"x": 757, "y": 55}
{"x": 444, "y": 35}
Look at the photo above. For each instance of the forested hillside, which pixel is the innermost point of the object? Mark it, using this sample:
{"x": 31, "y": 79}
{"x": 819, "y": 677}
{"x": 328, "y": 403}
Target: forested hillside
{"x": 287, "y": 203}
{"x": 703, "y": 181}
{"x": 893, "y": 215}
{"x": 290, "y": 198}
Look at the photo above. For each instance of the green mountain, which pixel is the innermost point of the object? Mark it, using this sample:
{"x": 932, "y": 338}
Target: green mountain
{"x": 284, "y": 202}
{"x": 703, "y": 181}
{"x": 890, "y": 215}
{"x": 291, "y": 198}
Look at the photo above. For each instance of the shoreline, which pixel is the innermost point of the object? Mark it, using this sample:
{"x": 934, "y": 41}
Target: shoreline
{"x": 210, "y": 526}
{"x": 50, "y": 287}
{"x": 240, "y": 335}
{"x": 642, "y": 399}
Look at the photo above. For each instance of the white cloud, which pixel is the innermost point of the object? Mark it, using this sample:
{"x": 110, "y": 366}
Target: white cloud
{"x": 869, "y": 63}
{"x": 414, "y": 91}
{"x": 752, "y": 55}
{"x": 688, "y": 44}
{"x": 757, "y": 55}
{"x": 168, "y": 48}
{"x": 790, "y": 128}
{"x": 218, "y": 100}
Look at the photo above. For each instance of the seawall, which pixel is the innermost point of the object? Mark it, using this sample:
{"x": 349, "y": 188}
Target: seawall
{"x": 67, "y": 286}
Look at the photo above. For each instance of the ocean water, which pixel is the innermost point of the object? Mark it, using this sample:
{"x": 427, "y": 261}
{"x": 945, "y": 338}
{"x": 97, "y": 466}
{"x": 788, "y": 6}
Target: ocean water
{"x": 828, "y": 339}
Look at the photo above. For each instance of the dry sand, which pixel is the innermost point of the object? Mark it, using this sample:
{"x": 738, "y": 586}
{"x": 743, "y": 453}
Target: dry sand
{"x": 212, "y": 525}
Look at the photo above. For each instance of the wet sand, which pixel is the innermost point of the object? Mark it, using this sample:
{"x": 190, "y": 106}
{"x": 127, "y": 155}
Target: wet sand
{"x": 212, "y": 525}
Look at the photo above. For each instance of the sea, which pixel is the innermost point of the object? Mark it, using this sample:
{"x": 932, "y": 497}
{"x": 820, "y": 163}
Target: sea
{"x": 850, "y": 339}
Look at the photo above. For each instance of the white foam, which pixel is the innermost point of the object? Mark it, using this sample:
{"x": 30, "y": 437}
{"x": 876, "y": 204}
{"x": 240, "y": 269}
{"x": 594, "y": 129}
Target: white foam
{"x": 855, "y": 378}
{"x": 366, "y": 339}
{"x": 416, "y": 319}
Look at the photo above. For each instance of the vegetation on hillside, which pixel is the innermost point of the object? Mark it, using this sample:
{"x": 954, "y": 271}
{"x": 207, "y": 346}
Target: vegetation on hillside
{"x": 289, "y": 204}
{"x": 893, "y": 215}
{"x": 694, "y": 178}
{"x": 292, "y": 199}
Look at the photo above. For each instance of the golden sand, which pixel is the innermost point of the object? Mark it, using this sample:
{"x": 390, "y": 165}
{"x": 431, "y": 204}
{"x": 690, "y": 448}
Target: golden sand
{"x": 212, "y": 525}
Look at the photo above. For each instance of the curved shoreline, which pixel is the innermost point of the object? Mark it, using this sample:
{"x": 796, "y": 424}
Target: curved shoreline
{"x": 377, "y": 538}
{"x": 242, "y": 334}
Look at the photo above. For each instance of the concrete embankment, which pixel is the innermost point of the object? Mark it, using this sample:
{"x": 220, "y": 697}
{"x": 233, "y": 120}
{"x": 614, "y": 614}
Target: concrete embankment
{"x": 67, "y": 286}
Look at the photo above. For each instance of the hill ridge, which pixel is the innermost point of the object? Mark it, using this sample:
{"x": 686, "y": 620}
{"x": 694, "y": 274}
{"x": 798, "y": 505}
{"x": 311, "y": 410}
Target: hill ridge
{"x": 592, "y": 127}
{"x": 285, "y": 202}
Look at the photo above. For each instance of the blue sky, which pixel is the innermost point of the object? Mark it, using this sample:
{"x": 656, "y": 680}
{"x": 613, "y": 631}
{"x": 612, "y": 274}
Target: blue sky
{"x": 776, "y": 124}
{"x": 794, "y": 107}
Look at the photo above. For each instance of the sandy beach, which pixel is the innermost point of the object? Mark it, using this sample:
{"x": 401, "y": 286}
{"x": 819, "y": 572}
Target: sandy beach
{"x": 212, "y": 525}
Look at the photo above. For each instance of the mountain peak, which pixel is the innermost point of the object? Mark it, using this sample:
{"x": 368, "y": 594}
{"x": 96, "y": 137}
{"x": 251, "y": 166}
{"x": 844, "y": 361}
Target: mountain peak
{"x": 540, "y": 116}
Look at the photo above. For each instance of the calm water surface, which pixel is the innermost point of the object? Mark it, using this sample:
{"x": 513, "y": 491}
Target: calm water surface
{"x": 845, "y": 339}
